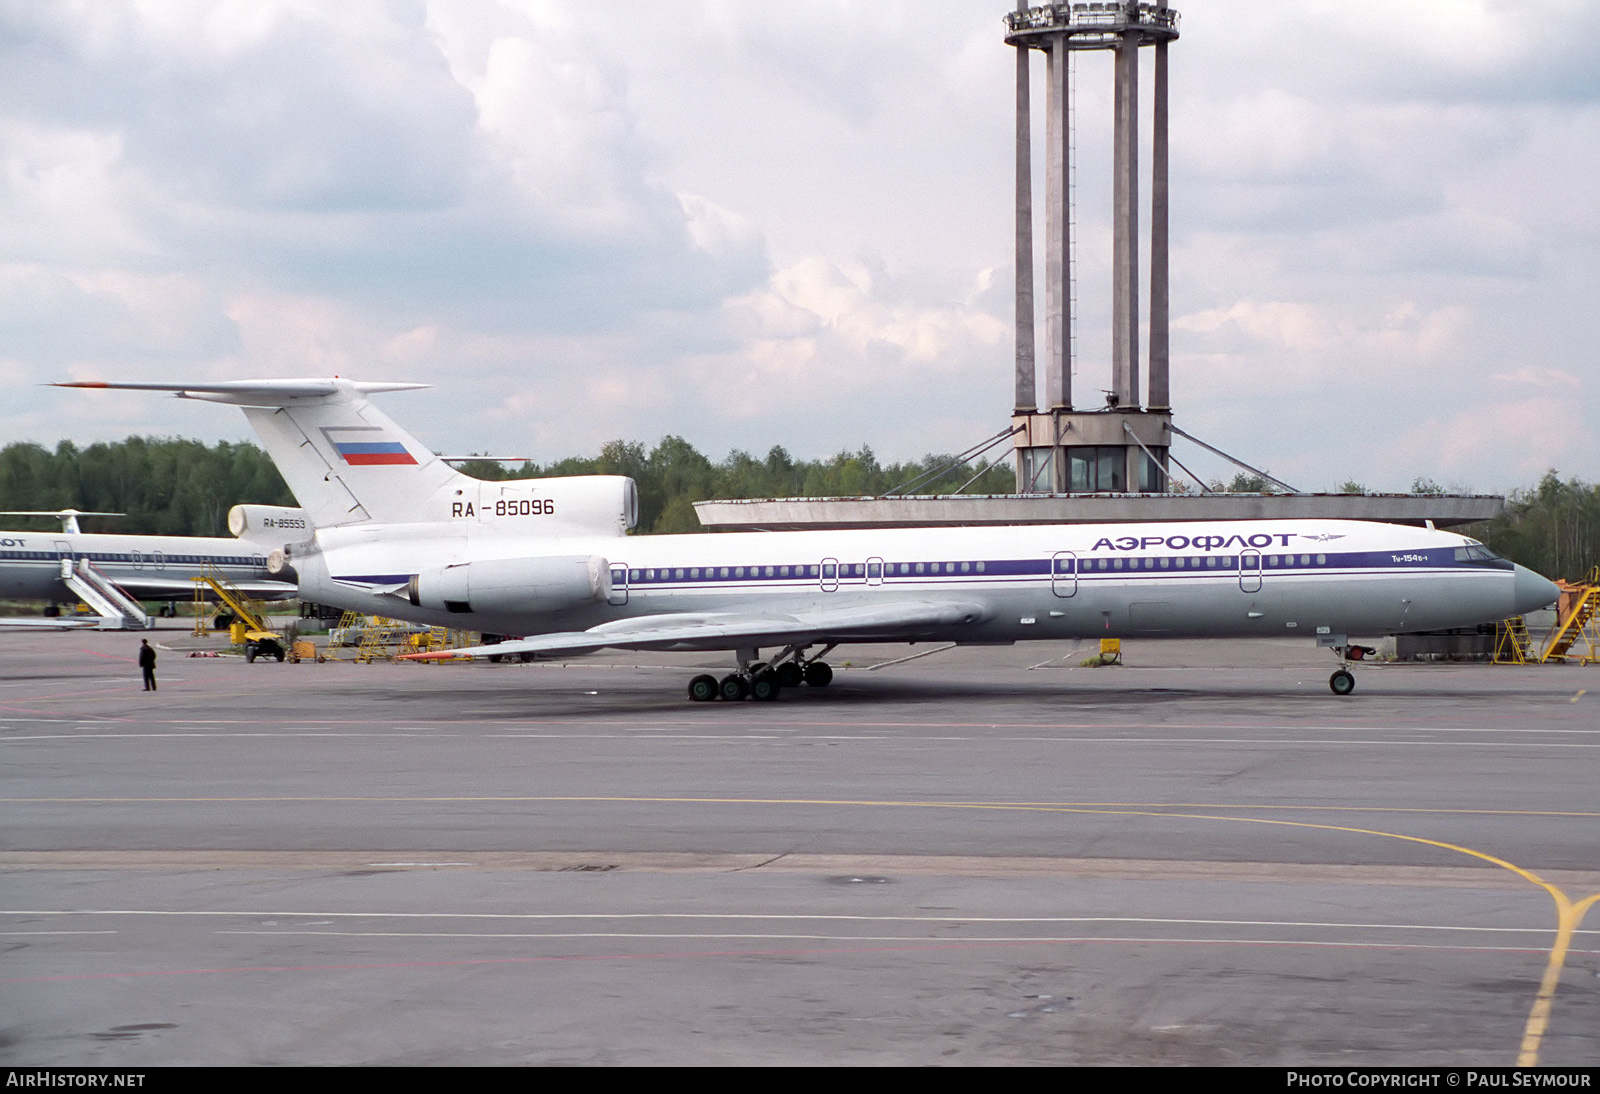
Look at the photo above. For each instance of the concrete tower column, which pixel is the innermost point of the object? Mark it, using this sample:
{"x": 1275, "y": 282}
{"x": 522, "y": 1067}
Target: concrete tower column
{"x": 1025, "y": 382}
{"x": 1058, "y": 235}
{"x": 1160, "y": 393}
{"x": 1125, "y": 230}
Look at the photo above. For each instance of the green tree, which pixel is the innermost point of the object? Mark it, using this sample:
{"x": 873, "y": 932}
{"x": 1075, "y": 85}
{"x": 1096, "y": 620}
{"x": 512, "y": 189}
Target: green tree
{"x": 1553, "y": 528}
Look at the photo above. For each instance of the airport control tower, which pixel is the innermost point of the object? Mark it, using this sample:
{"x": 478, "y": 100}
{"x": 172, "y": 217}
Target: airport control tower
{"x": 1094, "y": 460}
{"x": 1121, "y": 447}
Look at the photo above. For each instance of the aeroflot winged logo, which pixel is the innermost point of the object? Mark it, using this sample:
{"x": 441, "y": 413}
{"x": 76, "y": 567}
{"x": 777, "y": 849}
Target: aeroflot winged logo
{"x": 366, "y": 445}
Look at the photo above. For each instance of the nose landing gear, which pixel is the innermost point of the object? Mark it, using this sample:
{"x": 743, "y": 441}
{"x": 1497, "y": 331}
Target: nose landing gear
{"x": 1343, "y": 681}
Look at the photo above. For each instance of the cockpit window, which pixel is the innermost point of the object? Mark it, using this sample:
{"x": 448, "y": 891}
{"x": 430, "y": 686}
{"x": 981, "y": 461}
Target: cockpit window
{"x": 1481, "y": 555}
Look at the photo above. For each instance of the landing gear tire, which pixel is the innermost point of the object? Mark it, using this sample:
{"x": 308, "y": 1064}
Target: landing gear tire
{"x": 1342, "y": 683}
{"x": 765, "y": 687}
{"x": 789, "y": 674}
{"x": 733, "y": 688}
{"x": 818, "y": 674}
{"x": 703, "y": 689}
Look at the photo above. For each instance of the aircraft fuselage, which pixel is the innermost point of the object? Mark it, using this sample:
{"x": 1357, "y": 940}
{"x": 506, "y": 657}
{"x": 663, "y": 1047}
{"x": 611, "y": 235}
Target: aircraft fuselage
{"x": 1251, "y": 578}
{"x": 147, "y": 567}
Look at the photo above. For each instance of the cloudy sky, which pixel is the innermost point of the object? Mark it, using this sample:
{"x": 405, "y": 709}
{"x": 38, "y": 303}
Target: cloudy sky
{"x": 753, "y": 224}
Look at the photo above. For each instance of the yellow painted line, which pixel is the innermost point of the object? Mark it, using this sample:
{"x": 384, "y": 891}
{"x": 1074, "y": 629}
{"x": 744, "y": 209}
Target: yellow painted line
{"x": 1578, "y": 696}
{"x": 1569, "y": 916}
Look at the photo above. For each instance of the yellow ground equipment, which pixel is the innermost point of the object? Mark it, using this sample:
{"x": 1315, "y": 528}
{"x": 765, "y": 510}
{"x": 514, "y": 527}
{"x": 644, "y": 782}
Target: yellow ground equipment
{"x": 1512, "y": 644}
{"x": 249, "y": 627}
{"x": 382, "y": 638}
{"x": 377, "y": 638}
{"x": 435, "y": 639}
{"x": 1577, "y": 622}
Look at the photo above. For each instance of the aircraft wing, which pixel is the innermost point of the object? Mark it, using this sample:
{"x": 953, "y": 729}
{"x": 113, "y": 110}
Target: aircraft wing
{"x": 60, "y": 623}
{"x": 896, "y": 621}
{"x": 181, "y": 587}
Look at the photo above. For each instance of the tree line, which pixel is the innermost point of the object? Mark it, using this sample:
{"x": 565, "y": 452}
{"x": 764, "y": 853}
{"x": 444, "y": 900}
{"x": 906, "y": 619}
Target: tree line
{"x": 181, "y": 487}
{"x": 185, "y": 487}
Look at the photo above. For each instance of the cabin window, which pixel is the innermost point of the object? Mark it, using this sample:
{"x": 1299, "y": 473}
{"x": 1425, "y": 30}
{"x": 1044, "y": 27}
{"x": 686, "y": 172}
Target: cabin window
{"x": 1322, "y": 560}
{"x": 966, "y": 567}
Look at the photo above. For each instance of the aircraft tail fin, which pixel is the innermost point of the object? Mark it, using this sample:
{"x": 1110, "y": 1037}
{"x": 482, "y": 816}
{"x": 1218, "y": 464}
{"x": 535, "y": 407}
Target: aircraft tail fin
{"x": 346, "y": 461}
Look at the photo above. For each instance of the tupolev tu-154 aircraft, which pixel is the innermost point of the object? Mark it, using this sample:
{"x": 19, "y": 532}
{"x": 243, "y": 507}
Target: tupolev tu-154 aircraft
{"x": 399, "y": 533}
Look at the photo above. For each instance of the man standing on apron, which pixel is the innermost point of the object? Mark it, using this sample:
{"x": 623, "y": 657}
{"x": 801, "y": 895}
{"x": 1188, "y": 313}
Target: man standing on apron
{"x": 147, "y": 664}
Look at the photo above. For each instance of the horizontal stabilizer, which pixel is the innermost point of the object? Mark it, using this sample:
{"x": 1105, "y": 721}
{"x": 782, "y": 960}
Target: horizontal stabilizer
{"x": 253, "y": 392}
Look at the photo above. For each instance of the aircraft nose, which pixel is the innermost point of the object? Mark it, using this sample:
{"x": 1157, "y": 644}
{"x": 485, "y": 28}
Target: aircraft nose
{"x": 1533, "y": 591}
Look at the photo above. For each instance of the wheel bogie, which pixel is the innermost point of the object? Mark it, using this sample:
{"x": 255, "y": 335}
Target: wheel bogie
{"x": 765, "y": 687}
{"x": 819, "y": 674}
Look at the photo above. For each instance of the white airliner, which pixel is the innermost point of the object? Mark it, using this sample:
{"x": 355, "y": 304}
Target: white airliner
{"x": 400, "y": 533}
{"x": 113, "y": 573}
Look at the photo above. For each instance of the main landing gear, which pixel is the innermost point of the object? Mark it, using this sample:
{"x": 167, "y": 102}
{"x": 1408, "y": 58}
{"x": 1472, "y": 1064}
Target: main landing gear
{"x": 764, "y": 680}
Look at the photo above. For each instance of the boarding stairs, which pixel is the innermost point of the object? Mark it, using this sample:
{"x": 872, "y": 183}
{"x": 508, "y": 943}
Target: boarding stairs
{"x": 1577, "y": 622}
{"x": 117, "y": 610}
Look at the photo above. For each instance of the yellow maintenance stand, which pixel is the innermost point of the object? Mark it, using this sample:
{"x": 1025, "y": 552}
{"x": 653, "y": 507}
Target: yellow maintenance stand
{"x": 1512, "y": 643}
{"x": 249, "y": 628}
{"x": 1577, "y": 622}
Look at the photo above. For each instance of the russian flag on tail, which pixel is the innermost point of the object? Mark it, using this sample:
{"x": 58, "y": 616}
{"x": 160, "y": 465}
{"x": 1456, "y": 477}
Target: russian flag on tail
{"x": 369, "y": 451}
